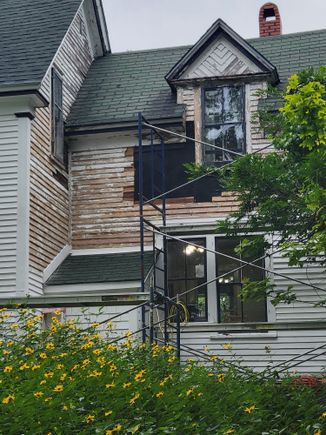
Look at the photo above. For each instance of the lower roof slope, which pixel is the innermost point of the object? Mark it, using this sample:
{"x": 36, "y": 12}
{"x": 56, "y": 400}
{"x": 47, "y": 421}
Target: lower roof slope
{"x": 120, "y": 85}
{"x": 30, "y": 34}
{"x": 100, "y": 268}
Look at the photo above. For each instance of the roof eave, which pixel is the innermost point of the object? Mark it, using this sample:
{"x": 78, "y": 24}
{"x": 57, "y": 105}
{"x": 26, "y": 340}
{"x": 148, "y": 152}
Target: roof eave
{"x": 219, "y": 26}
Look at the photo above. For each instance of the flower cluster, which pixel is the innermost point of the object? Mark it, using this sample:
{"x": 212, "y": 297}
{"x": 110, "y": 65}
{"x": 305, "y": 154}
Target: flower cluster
{"x": 63, "y": 380}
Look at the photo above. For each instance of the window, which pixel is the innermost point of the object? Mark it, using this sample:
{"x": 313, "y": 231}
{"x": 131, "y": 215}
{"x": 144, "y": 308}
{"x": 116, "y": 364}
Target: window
{"x": 232, "y": 309}
{"x": 58, "y": 149}
{"x": 223, "y": 122}
{"x": 186, "y": 270}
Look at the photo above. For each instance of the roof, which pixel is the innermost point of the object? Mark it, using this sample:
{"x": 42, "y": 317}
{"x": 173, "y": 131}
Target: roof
{"x": 210, "y": 36}
{"x": 122, "y": 84}
{"x": 30, "y": 34}
{"x": 100, "y": 268}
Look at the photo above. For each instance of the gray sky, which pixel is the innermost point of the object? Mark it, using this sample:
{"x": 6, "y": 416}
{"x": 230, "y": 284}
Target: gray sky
{"x": 142, "y": 24}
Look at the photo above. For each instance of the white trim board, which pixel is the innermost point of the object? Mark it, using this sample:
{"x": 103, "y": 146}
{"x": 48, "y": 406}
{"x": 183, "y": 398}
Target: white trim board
{"x": 55, "y": 263}
{"x": 99, "y": 251}
{"x": 93, "y": 288}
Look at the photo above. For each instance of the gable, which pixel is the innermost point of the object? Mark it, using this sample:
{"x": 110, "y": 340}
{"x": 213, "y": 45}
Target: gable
{"x": 220, "y": 59}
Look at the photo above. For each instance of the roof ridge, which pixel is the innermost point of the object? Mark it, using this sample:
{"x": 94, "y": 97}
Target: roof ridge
{"x": 151, "y": 49}
{"x": 285, "y": 35}
{"x": 189, "y": 45}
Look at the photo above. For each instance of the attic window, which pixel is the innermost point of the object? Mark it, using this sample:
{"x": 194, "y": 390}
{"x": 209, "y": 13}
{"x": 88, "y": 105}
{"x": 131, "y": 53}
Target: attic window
{"x": 269, "y": 14}
{"x": 58, "y": 150}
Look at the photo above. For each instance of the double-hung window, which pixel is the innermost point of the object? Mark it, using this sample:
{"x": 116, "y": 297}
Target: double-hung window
{"x": 223, "y": 123}
{"x": 58, "y": 149}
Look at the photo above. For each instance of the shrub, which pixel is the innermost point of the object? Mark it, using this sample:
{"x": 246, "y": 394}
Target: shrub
{"x": 64, "y": 380}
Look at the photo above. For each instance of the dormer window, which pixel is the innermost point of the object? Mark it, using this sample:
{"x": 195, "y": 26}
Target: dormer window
{"x": 58, "y": 149}
{"x": 223, "y": 123}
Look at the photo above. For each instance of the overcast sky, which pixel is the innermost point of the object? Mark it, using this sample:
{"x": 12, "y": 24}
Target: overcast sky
{"x": 142, "y": 24}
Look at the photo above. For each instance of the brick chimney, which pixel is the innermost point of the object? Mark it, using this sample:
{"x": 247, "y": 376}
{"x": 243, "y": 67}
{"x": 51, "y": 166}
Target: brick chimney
{"x": 269, "y": 20}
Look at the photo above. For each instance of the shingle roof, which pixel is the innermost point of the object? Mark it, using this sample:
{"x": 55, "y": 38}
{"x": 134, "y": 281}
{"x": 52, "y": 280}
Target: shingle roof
{"x": 100, "y": 268}
{"x": 30, "y": 34}
{"x": 119, "y": 85}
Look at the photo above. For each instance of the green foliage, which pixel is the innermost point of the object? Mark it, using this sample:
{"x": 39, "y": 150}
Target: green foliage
{"x": 67, "y": 381}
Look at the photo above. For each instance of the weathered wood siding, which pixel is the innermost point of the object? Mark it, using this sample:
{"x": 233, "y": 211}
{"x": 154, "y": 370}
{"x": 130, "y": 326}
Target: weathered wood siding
{"x": 8, "y": 202}
{"x": 50, "y": 216}
{"x": 104, "y": 213}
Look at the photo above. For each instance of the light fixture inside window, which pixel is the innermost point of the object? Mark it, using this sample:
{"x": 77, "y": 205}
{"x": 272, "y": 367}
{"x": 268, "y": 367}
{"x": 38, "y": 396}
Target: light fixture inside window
{"x": 190, "y": 249}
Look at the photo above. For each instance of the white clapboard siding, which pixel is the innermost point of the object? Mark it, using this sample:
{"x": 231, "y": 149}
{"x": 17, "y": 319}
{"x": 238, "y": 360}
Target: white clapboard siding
{"x": 8, "y": 202}
{"x": 261, "y": 350}
{"x": 313, "y": 274}
{"x": 120, "y": 325}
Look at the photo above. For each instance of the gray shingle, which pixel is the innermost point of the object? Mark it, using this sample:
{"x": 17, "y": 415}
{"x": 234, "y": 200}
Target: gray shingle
{"x": 30, "y": 34}
{"x": 119, "y": 85}
{"x": 100, "y": 268}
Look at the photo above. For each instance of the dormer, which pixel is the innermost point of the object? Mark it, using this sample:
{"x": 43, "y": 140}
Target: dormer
{"x": 215, "y": 81}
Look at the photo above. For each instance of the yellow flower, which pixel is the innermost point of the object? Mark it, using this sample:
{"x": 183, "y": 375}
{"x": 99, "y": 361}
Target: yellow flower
{"x": 214, "y": 358}
{"x": 43, "y": 382}
{"x": 134, "y": 398}
{"x": 189, "y": 392}
{"x": 35, "y": 366}
{"x": 14, "y": 326}
{"x": 323, "y": 414}
{"x": 8, "y": 399}
{"x": 135, "y": 429}
{"x": 95, "y": 374}
{"x": 43, "y": 355}
{"x": 317, "y": 432}
{"x": 109, "y": 385}
{"x": 48, "y": 399}
{"x": 38, "y": 317}
{"x": 172, "y": 359}
{"x": 86, "y": 362}
{"x": 24, "y": 367}
{"x": 107, "y": 413}
{"x": 97, "y": 351}
{"x": 227, "y": 346}
{"x": 117, "y": 428}
{"x": 112, "y": 347}
{"x": 159, "y": 394}
{"x": 38, "y": 394}
{"x": 90, "y": 418}
{"x": 48, "y": 375}
{"x": 58, "y": 388}
{"x": 249, "y": 409}
{"x": 30, "y": 323}
{"x": 126, "y": 385}
{"x": 139, "y": 375}
{"x": 65, "y": 407}
{"x": 221, "y": 377}
{"x": 6, "y": 352}
{"x": 63, "y": 377}
{"x": 10, "y": 343}
{"x": 50, "y": 346}
{"x": 113, "y": 367}
{"x": 7, "y": 369}
{"x": 229, "y": 431}
{"x": 60, "y": 366}
{"x": 57, "y": 312}
{"x": 109, "y": 324}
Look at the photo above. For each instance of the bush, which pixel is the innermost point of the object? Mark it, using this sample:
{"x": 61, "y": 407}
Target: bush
{"x": 67, "y": 381}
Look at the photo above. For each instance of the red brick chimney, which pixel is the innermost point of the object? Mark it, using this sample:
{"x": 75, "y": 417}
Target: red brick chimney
{"x": 269, "y": 20}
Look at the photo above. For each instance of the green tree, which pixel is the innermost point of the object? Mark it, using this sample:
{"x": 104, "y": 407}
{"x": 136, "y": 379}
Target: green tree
{"x": 283, "y": 192}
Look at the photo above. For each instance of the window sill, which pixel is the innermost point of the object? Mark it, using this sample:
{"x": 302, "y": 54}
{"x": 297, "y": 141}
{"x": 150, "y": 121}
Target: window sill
{"x": 243, "y": 335}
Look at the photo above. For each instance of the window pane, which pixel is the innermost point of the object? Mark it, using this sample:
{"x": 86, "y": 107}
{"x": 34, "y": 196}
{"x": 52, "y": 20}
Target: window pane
{"x": 57, "y": 90}
{"x": 234, "y": 138}
{"x": 58, "y": 135}
{"x": 230, "y": 304}
{"x": 214, "y": 106}
{"x": 232, "y": 104}
{"x": 224, "y": 264}
{"x": 176, "y": 260}
{"x": 195, "y": 260}
{"x": 254, "y": 311}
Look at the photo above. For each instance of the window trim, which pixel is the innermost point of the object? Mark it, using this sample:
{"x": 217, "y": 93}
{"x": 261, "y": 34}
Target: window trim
{"x": 62, "y": 163}
{"x": 211, "y": 87}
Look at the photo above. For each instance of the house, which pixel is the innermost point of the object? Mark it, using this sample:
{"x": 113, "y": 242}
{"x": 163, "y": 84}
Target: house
{"x": 72, "y": 167}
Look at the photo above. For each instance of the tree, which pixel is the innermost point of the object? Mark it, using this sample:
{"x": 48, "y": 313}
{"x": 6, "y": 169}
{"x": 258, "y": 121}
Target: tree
{"x": 283, "y": 192}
